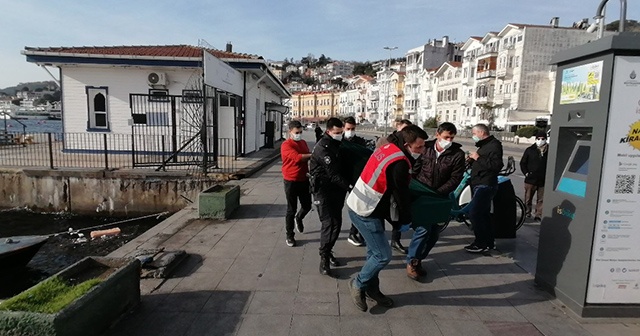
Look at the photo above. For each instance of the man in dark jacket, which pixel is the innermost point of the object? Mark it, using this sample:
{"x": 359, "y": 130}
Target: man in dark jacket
{"x": 319, "y": 133}
{"x": 486, "y": 164}
{"x": 441, "y": 168}
{"x": 382, "y": 193}
{"x": 534, "y": 167}
{"x": 330, "y": 186}
{"x": 350, "y": 136}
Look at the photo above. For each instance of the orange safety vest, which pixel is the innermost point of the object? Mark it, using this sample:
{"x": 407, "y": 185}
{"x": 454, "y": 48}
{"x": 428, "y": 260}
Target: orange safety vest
{"x": 372, "y": 183}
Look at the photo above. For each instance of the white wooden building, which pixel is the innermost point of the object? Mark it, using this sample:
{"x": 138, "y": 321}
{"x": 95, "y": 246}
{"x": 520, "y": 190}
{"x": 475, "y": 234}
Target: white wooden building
{"x": 150, "y": 98}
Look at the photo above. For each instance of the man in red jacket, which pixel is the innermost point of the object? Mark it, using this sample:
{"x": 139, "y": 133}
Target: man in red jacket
{"x": 295, "y": 154}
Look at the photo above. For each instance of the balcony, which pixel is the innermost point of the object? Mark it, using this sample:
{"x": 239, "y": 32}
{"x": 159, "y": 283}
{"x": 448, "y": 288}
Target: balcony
{"x": 466, "y": 101}
{"x": 484, "y": 100}
{"x": 488, "y": 52}
{"x": 486, "y": 74}
{"x": 504, "y": 72}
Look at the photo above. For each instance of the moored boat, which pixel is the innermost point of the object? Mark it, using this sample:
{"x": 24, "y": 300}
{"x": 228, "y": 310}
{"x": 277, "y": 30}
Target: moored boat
{"x": 16, "y": 252}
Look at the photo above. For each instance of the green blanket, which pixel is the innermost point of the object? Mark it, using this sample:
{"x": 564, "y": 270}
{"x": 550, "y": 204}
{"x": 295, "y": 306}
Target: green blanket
{"x": 427, "y": 208}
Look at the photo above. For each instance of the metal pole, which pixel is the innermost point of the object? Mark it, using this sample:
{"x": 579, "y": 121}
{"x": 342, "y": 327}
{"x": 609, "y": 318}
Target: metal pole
{"x": 50, "y": 150}
{"x": 106, "y": 151}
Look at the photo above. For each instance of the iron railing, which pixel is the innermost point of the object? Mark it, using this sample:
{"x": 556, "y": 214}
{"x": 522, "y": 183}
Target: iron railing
{"x": 109, "y": 151}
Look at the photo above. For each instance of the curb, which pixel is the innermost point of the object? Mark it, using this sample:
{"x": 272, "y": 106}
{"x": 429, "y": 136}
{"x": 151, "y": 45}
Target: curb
{"x": 257, "y": 166}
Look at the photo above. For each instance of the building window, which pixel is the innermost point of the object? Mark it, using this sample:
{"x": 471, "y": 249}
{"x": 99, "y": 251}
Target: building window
{"x": 98, "y": 107}
{"x": 515, "y": 86}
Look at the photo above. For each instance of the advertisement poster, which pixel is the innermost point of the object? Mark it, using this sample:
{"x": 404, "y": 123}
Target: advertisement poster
{"x": 581, "y": 84}
{"x": 615, "y": 261}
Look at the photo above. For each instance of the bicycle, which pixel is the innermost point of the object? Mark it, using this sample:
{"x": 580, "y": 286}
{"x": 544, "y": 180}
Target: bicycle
{"x": 462, "y": 197}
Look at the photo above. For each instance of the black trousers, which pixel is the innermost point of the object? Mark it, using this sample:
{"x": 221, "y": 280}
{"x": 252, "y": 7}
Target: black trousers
{"x": 329, "y": 203}
{"x": 295, "y": 191}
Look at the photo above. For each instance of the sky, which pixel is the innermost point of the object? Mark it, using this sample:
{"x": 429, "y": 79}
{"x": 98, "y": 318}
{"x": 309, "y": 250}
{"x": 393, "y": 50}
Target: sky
{"x": 351, "y": 30}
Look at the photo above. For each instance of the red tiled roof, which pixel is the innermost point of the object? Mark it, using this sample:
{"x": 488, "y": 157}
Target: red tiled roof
{"x": 455, "y": 64}
{"x": 181, "y": 50}
{"x": 477, "y": 38}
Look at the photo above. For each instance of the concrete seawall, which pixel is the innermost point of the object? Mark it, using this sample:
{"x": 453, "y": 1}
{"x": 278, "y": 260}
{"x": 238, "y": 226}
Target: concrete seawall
{"x": 85, "y": 191}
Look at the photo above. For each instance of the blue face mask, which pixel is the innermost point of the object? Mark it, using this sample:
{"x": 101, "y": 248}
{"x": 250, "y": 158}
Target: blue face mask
{"x": 475, "y": 138}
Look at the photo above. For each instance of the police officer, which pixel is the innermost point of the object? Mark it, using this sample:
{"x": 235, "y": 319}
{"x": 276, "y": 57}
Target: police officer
{"x": 329, "y": 187}
{"x": 354, "y": 238}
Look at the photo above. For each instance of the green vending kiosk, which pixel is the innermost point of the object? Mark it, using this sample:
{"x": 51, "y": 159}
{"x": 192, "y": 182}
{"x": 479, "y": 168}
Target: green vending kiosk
{"x": 589, "y": 245}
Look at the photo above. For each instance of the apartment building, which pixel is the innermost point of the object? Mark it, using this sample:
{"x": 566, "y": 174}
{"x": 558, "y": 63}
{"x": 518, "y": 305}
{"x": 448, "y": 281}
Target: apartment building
{"x": 506, "y": 81}
{"x": 353, "y": 100}
{"x": 339, "y": 69}
{"x": 427, "y": 96}
{"x": 448, "y": 93}
{"x": 390, "y": 96}
{"x": 314, "y": 106}
{"x": 433, "y": 54}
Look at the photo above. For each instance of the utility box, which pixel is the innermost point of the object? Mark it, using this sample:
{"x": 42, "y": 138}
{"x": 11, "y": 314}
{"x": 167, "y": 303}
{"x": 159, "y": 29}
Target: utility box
{"x": 589, "y": 248}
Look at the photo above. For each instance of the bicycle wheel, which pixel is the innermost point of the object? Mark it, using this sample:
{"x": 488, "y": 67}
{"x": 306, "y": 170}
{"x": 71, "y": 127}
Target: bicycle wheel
{"x": 443, "y": 226}
{"x": 520, "y": 213}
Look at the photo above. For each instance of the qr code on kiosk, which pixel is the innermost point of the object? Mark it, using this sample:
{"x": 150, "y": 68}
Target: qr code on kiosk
{"x": 625, "y": 184}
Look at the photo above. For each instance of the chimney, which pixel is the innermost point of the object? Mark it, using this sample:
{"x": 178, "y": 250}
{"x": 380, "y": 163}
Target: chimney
{"x": 445, "y": 41}
{"x": 229, "y": 47}
{"x": 555, "y": 22}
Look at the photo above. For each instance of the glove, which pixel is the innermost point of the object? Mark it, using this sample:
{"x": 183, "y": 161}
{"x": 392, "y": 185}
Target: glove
{"x": 405, "y": 228}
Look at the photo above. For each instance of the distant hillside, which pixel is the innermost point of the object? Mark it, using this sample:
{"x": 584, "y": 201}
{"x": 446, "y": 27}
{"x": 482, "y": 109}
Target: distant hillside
{"x": 631, "y": 26}
{"x": 32, "y": 86}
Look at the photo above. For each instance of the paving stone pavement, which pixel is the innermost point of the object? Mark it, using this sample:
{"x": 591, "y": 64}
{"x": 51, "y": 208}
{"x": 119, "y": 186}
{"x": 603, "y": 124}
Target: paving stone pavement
{"x": 241, "y": 279}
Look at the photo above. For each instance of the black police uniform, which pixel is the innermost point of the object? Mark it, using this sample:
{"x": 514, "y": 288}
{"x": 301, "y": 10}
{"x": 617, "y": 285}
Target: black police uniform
{"x": 329, "y": 188}
{"x": 362, "y": 142}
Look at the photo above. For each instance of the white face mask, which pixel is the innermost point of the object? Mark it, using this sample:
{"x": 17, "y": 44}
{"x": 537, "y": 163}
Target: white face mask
{"x": 296, "y": 137}
{"x": 336, "y": 136}
{"x": 444, "y": 143}
{"x": 349, "y": 134}
{"x": 415, "y": 155}
{"x": 475, "y": 138}
{"x": 541, "y": 142}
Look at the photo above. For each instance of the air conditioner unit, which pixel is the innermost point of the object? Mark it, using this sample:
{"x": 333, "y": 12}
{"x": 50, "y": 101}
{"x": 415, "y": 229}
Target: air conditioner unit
{"x": 157, "y": 79}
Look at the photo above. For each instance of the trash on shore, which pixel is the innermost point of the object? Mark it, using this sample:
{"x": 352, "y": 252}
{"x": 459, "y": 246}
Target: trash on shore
{"x": 105, "y": 233}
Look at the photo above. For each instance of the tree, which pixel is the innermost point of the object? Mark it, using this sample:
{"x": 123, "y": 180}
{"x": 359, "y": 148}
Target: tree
{"x": 431, "y": 122}
{"x": 364, "y": 69}
{"x": 39, "y": 89}
{"x": 631, "y": 25}
{"x": 25, "y": 89}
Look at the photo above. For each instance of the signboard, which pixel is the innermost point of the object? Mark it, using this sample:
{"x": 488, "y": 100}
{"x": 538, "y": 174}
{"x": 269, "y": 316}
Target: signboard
{"x": 221, "y": 75}
{"x": 615, "y": 260}
{"x": 581, "y": 84}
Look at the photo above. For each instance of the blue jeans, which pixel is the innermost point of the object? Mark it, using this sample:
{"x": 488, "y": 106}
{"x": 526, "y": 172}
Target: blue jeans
{"x": 423, "y": 240}
{"x": 480, "y": 215}
{"x": 378, "y": 249}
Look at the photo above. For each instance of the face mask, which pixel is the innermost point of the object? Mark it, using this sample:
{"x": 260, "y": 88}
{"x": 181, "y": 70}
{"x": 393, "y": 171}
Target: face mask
{"x": 444, "y": 143}
{"x": 541, "y": 142}
{"x": 415, "y": 155}
{"x": 296, "y": 137}
{"x": 349, "y": 134}
{"x": 475, "y": 138}
{"x": 337, "y": 136}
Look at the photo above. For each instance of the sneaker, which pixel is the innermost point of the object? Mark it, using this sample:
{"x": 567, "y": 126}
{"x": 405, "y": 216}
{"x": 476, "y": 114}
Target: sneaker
{"x": 397, "y": 245}
{"x": 354, "y": 240}
{"x": 476, "y": 249}
{"x": 537, "y": 219}
{"x": 291, "y": 242}
{"x": 299, "y": 225}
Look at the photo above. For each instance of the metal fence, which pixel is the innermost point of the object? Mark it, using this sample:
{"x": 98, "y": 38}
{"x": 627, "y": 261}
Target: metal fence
{"x": 107, "y": 151}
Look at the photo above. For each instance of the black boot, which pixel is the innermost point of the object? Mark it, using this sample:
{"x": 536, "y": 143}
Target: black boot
{"x": 324, "y": 266}
{"x": 357, "y": 296}
{"x": 396, "y": 245}
{"x": 373, "y": 293}
{"x": 333, "y": 261}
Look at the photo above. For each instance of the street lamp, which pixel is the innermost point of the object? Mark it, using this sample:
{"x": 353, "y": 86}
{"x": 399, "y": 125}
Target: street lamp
{"x": 386, "y": 115}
